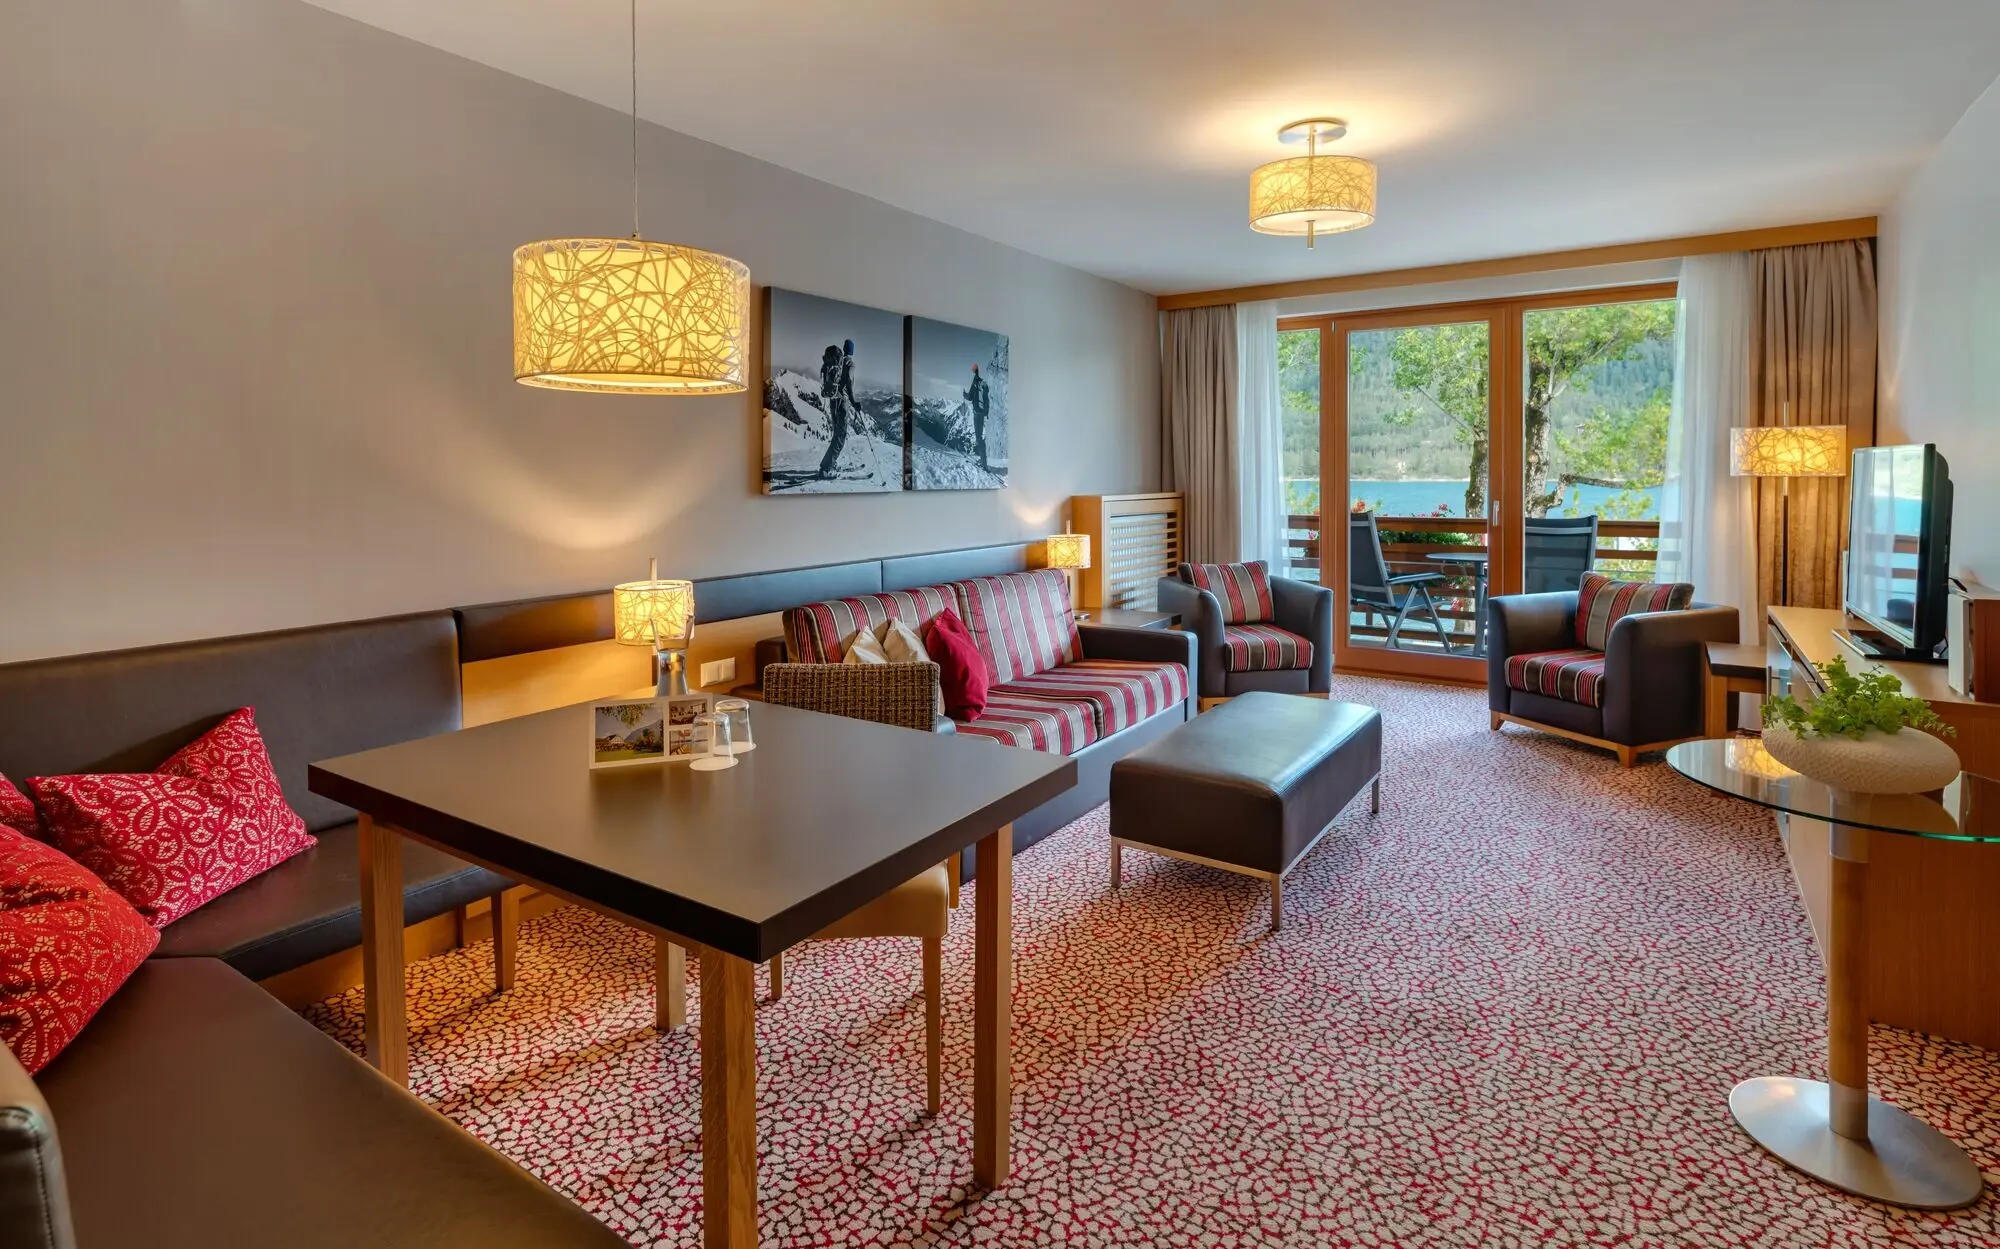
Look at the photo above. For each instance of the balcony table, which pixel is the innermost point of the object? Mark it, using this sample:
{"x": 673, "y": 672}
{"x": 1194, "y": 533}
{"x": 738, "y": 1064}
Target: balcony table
{"x": 1478, "y": 564}
{"x": 1833, "y": 1130}
{"x": 826, "y": 815}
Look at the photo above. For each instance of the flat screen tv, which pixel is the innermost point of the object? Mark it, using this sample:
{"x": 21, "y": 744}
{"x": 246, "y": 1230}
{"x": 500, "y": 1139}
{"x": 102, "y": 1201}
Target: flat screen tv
{"x": 1899, "y": 551}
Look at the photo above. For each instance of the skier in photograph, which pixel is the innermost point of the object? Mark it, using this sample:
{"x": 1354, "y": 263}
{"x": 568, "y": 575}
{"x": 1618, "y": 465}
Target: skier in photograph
{"x": 979, "y": 397}
{"x": 836, "y": 387}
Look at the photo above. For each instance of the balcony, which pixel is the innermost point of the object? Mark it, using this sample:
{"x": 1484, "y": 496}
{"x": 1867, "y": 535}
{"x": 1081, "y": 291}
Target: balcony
{"x": 1626, "y": 549}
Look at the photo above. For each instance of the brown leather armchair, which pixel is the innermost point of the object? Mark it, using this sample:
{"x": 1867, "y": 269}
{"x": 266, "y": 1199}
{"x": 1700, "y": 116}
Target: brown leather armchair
{"x": 1643, "y": 692}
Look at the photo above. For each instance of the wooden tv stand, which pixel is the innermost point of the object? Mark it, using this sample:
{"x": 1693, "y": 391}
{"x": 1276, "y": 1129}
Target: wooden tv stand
{"x": 1933, "y": 917}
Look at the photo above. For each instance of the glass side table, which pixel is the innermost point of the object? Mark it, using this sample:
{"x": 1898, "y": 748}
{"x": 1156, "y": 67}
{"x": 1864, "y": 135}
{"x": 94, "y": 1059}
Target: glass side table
{"x": 1833, "y": 1130}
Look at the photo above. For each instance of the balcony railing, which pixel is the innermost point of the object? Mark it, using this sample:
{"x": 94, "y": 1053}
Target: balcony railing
{"x": 1626, "y": 548}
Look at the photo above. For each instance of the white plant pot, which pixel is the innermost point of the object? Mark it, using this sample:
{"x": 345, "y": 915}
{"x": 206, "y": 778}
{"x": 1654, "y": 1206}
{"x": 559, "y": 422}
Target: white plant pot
{"x": 1906, "y": 762}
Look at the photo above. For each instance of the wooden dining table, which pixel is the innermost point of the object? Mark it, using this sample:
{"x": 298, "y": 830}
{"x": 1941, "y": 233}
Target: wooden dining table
{"x": 824, "y": 816}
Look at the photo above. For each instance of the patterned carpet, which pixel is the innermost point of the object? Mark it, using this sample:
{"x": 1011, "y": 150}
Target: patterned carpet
{"x": 1508, "y": 1011}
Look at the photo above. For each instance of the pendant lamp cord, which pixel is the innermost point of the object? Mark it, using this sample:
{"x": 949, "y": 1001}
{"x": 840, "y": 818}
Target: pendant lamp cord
{"x": 635, "y": 118}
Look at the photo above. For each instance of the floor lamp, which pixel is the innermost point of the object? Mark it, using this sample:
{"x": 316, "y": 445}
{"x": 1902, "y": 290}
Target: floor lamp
{"x": 1785, "y": 452}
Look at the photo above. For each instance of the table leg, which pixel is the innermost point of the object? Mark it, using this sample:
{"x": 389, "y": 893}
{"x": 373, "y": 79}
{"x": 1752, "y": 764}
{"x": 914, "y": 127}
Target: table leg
{"x": 669, "y": 985}
{"x": 506, "y": 938}
{"x": 385, "y": 1021}
{"x": 992, "y": 1009}
{"x": 1835, "y": 1131}
{"x": 728, "y": 1101}
{"x": 1715, "y": 704}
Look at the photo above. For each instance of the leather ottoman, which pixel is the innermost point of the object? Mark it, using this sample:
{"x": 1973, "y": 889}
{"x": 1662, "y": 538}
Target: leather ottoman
{"x": 1248, "y": 787}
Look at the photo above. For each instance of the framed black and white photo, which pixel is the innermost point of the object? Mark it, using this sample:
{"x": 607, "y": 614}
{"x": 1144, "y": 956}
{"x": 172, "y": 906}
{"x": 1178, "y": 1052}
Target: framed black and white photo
{"x": 833, "y": 396}
{"x": 626, "y": 732}
{"x": 957, "y": 387}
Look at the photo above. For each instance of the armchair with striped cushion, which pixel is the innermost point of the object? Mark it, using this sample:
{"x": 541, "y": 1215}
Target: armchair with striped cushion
{"x": 1253, "y": 631}
{"x": 1616, "y": 664}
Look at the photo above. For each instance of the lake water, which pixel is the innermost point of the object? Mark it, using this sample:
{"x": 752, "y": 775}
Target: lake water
{"x": 1420, "y": 498}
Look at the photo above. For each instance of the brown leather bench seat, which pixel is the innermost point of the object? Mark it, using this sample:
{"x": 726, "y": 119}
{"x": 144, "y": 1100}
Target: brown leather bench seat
{"x": 319, "y": 692}
{"x": 1249, "y": 787}
{"x": 196, "y": 1112}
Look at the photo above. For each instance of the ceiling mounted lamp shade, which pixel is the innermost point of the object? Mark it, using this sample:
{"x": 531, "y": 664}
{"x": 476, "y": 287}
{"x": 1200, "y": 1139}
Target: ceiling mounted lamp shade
{"x": 627, "y": 316}
{"x": 1788, "y": 451}
{"x": 1313, "y": 194}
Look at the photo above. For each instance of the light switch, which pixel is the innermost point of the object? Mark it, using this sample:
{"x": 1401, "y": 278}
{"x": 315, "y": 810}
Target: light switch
{"x": 718, "y": 671}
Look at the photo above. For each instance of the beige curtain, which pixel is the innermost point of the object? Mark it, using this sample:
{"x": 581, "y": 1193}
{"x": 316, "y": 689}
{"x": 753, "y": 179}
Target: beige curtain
{"x": 1812, "y": 353}
{"x": 1197, "y": 420}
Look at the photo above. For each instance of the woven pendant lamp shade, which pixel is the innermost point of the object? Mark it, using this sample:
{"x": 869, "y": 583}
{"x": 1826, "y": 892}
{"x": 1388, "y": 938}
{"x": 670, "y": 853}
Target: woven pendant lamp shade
{"x": 628, "y": 316}
{"x": 1328, "y": 194}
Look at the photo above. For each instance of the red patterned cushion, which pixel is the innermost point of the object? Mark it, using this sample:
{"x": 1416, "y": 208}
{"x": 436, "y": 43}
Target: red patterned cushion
{"x": 66, "y": 943}
{"x": 1573, "y": 676}
{"x": 1051, "y": 725}
{"x": 211, "y": 818}
{"x": 1602, "y": 602}
{"x": 1264, "y": 648}
{"x": 817, "y": 633}
{"x": 1244, "y": 590}
{"x": 1020, "y": 622}
{"x": 17, "y": 812}
{"x": 1118, "y": 693}
{"x": 961, "y": 671}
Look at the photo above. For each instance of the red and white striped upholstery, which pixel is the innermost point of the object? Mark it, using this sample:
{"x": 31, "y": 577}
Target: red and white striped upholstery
{"x": 1117, "y": 693}
{"x": 1573, "y": 676}
{"x": 1033, "y": 723}
{"x": 1020, "y": 621}
{"x": 1264, "y": 648}
{"x": 818, "y": 632}
{"x": 1602, "y": 602}
{"x": 1244, "y": 590}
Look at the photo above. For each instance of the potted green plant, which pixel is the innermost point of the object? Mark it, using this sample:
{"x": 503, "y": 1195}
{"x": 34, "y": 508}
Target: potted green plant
{"x": 1863, "y": 735}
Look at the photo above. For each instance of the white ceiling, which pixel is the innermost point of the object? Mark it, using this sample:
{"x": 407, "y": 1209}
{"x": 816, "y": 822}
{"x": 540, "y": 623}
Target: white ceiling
{"x": 1118, "y": 135}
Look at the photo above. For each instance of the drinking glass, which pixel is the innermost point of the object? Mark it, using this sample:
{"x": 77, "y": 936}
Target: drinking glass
{"x": 718, "y": 756}
{"x": 738, "y": 711}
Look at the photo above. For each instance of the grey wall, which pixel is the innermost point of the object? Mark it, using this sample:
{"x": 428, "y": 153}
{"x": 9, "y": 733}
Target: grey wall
{"x": 1941, "y": 325}
{"x": 255, "y": 338}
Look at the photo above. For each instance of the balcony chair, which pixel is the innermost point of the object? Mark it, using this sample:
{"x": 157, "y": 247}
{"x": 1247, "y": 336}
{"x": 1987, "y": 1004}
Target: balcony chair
{"x": 1616, "y": 664}
{"x": 904, "y": 695}
{"x": 1253, "y": 631}
{"x": 1371, "y": 588}
{"x": 1557, "y": 552}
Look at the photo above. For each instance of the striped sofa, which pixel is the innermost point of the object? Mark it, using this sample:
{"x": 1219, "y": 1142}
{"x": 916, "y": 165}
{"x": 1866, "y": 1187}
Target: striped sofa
{"x": 1091, "y": 692}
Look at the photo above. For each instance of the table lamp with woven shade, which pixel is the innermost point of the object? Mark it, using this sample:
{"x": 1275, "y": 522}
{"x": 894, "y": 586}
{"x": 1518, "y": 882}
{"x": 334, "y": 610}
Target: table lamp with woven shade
{"x": 659, "y": 614}
{"x": 1071, "y": 553}
{"x": 1785, "y": 452}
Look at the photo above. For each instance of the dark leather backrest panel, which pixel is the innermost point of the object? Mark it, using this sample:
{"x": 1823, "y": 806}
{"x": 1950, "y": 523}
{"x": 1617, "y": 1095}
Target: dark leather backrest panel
{"x": 319, "y": 692}
{"x": 491, "y": 630}
{"x": 34, "y": 1203}
{"x": 756, "y": 593}
{"x": 907, "y": 572}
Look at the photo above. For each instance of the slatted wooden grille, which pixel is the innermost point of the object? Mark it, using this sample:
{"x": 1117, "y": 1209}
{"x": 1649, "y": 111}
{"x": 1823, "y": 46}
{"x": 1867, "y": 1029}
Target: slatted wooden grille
{"x": 1137, "y": 539}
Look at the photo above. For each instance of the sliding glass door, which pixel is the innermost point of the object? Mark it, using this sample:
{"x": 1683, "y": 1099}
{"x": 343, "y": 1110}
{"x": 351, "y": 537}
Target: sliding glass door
{"x": 1437, "y": 456}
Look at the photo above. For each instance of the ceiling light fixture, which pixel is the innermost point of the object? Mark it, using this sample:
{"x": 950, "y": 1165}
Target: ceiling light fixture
{"x": 628, "y": 316}
{"x": 1313, "y": 194}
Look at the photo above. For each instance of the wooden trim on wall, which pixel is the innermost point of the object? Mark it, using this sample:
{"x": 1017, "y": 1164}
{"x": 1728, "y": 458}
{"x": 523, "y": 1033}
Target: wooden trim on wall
{"x": 1542, "y": 262}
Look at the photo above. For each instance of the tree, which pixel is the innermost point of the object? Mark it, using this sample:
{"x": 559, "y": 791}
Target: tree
{"x": 1444, "y": 369}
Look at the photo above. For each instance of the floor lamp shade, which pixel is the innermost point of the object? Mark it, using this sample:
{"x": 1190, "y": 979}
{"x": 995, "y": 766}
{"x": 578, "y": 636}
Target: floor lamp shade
{"x": 1788, "y": 451}
{"x": 629, "y": 316}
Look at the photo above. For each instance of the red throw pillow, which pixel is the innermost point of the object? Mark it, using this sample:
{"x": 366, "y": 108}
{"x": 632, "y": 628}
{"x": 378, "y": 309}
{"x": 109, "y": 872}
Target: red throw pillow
{"x": 961, "y": 668}
{"x": 66, "y": 943}
{"x": 17, "y": 813}
{"x": 211, "y": 818}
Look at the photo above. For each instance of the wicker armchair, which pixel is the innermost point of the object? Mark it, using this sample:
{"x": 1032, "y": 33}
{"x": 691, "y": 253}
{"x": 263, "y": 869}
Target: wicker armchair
{"x": 904, "y": 695}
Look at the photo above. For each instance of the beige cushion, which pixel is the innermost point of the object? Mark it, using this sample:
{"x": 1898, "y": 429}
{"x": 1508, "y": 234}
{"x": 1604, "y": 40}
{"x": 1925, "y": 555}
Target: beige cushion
{"x": 863, "y": 648}
{"x": 901, "y": 643}
{"x": 919, "y": 907}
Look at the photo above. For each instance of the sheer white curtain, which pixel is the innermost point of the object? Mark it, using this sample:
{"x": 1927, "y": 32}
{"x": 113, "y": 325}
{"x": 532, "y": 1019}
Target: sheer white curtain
{"x": 1260, "y": 435}
{"x": 1707, "y": 526}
